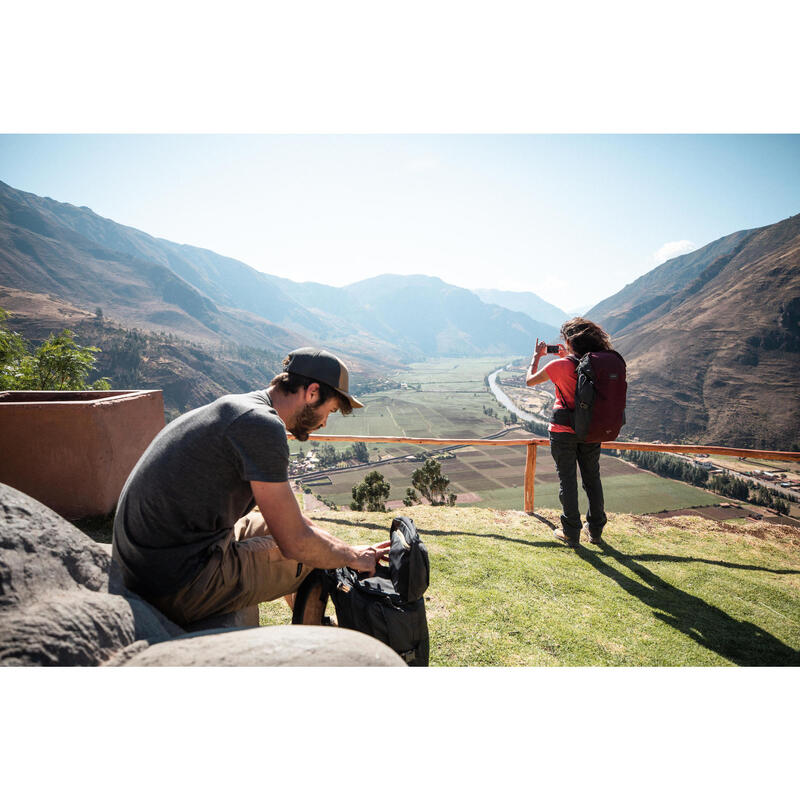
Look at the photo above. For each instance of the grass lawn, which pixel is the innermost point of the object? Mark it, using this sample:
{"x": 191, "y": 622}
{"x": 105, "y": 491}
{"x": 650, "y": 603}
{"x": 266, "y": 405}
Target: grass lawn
{"x": 678, "y": 592}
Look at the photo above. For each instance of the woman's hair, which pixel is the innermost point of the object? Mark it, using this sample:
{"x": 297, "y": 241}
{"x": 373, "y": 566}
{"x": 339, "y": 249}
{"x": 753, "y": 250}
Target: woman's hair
{"x": 290, "y": 382}
{"x": 584, "y": 336}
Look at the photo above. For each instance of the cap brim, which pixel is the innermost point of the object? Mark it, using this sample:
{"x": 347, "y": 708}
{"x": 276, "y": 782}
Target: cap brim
{"x": 353, "y": 402}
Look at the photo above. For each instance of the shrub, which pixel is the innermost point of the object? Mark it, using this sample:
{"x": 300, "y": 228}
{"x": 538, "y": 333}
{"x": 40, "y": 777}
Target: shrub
{"x": 371, "y": 493}
{"x": 60, "y": 363}
{"x": 432, "y": 485}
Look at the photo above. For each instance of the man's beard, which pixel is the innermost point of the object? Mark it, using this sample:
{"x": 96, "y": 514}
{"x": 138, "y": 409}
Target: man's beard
{"x": 306, "y": 422}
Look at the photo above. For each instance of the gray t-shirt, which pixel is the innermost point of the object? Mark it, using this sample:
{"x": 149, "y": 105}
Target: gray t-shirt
{"x": 191, "y": 485}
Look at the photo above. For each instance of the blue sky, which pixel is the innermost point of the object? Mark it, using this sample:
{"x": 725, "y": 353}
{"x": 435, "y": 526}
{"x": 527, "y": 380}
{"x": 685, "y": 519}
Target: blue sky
{"x": 572, "y": 218}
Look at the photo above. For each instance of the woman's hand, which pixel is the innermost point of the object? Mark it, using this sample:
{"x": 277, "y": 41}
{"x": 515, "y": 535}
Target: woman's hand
{"x": 562, "y": 351}
{"x": 541, "y": 349}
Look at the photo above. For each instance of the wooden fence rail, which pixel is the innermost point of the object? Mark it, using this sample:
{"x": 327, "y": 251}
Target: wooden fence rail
{"x": 534, "y": 444}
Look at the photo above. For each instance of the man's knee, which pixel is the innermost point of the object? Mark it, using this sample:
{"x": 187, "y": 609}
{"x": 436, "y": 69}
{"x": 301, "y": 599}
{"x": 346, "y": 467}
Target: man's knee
{"x": 250, "y": 526}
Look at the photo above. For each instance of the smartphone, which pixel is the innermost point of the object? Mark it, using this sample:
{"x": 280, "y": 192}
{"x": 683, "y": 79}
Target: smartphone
{"x": 552, "y": 348}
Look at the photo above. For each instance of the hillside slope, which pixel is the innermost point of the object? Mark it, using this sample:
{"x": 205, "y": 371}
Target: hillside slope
{"x": 39, "y": 254}
{"x": 717, "y": 360}
{"x": 526, "y": 303}
{"x": 189, "y": 374}
{"x": 648, "y": 292}
{"x": 445, "y": 320}
{"x": 71, "y": 252}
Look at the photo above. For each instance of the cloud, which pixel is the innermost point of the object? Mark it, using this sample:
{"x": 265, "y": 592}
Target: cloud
{"x": 669, "y": 250}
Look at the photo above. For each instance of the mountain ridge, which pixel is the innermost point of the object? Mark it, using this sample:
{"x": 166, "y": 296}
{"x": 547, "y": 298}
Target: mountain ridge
{"x": 525, "y": 302}
{"x": 717, "y": 361}
{"x": 155, "y": 284}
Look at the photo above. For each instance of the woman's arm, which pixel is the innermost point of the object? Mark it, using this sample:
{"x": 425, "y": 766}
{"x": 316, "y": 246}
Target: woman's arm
{"x": 536, "y": 375}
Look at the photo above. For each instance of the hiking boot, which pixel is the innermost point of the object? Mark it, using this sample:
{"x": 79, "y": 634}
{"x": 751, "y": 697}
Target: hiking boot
{"x": 593, "y": 538}
{"x": 568, "y": 540}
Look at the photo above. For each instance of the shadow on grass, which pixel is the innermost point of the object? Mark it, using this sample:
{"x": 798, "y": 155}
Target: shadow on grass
{"x": 728, "y": 564}
{"x": 640, "y": 557}
{"x": 426, "y": 532}
{"x": 100, "y": 529}
{"x": 687, "y": 559}
{"x": 743, "y": 643}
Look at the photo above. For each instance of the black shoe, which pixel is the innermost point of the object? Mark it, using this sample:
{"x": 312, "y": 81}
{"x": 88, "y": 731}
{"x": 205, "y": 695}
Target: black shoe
{"x": 567, "y": 540}
{"x": 593, "y": 538}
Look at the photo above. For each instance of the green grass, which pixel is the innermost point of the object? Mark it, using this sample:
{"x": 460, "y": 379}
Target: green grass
{"x": 677, "y": 592}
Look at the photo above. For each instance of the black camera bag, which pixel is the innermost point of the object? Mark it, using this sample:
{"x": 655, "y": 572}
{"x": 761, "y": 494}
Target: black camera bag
{"x": 389, "y": 605}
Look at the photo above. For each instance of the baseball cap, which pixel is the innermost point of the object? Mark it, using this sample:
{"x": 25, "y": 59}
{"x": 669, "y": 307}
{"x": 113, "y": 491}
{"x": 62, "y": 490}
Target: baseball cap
{"x": 323, "y": 367}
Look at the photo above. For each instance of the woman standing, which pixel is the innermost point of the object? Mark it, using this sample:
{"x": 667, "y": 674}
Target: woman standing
{"x": 580, "y": 336}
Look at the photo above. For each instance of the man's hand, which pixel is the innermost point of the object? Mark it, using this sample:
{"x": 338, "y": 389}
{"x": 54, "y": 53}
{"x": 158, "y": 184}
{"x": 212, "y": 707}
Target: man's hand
{"x": 369, "y": 557}
{"x": 541, "y": 348}
{"x": 562, "y": 351}
{"x": 301, "y": 539}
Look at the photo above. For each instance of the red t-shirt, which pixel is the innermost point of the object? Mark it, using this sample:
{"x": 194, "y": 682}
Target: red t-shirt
{"x": 562, "y": 372}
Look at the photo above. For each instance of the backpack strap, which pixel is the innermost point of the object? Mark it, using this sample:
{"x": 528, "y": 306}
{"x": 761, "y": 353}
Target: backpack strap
{"x": 565, "y": 415}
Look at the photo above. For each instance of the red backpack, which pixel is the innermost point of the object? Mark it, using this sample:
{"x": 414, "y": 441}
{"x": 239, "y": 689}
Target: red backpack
{"x": 600, "y": 395}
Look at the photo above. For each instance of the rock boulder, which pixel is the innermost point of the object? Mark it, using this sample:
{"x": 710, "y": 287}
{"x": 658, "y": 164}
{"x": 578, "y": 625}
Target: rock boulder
{"x": 63, "y": 603}
{"x": 62, "y": 599}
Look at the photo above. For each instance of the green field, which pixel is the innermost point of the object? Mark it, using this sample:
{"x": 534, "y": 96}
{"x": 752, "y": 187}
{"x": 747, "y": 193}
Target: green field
{"x": 449, "y": 404}
{"x": 633, "y": 491}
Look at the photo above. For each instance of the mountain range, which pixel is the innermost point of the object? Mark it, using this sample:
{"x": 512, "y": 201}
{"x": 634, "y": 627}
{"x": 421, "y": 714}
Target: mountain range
{"x": 54, "y": 248}
{"x": 711, "y": 337}
{"x": 712, "y": 341}
{"x": 526, "y": 302}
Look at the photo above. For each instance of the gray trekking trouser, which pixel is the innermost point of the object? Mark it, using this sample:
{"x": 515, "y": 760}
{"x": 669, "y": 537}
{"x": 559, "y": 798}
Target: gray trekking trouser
{"x": 567, "y": 453}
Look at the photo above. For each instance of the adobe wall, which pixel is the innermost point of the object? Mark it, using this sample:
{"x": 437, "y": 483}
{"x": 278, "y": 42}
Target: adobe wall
{"x": 73, "y": 451}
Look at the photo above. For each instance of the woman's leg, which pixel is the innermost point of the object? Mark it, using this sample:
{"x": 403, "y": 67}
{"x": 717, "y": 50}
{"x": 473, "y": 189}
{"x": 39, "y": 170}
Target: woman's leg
{"x": 563, "y": 449}
{"x": 589, "y": 463}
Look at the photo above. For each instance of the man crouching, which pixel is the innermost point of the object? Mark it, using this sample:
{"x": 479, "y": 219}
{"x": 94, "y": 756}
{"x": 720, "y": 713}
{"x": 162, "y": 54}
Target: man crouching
{"x": 186, "y": 533}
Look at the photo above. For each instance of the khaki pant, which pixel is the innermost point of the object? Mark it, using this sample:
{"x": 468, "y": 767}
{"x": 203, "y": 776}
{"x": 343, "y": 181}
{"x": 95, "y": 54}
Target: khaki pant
{"x": 246, "y": 569}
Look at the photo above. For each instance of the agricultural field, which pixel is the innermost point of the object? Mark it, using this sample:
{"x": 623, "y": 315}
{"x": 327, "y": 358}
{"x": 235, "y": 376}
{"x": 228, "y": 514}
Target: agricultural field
{"x": 493, "y": 477}
{"x": 446, "y": 398}
{"x": 443, "y": 398}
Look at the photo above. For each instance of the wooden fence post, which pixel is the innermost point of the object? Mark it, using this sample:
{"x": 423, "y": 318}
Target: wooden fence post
{"x": 530, "y": 472}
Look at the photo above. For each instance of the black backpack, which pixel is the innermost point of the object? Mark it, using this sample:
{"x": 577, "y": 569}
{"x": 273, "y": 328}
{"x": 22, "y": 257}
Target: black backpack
{"x": 600, "y": 397}
{"x": 389, "y": 606}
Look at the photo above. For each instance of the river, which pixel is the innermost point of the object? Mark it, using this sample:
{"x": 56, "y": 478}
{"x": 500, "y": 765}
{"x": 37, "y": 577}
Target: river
{"x": 506, "y": 401}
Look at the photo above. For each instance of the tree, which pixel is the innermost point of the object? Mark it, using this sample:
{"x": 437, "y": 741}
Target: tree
{"x": 60, "y": 363}
{"x": 410, "y": 498}
{"x": 781, "y": 506}
{"x": 431, "y": 484}
{"x": 13, "y": 351}
{"x": 327, "y": 455}
{"x": 371, "y": 492}
{"x": 360, "y": 452}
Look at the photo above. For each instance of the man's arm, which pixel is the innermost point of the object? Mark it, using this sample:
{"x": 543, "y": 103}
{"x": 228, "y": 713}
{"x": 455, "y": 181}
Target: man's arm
{"x": 299, "y": 539}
